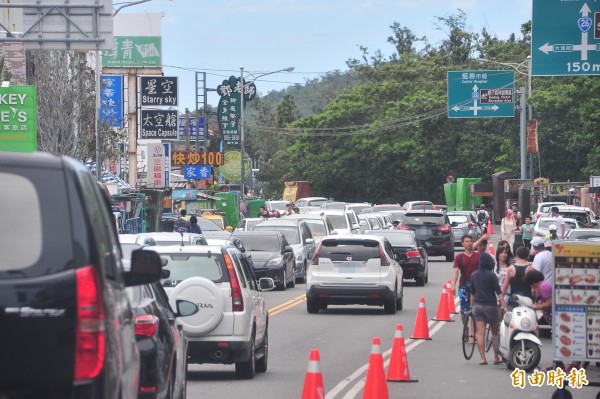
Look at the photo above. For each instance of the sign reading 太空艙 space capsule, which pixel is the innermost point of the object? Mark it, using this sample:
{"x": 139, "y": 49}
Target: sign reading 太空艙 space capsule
{"x": 18, "y": 119}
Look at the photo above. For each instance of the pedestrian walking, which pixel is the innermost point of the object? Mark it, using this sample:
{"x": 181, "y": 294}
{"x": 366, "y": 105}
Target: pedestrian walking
{"x": 508, "y": 226}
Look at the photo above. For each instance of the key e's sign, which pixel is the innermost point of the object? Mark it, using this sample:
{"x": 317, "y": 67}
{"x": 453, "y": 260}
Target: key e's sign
{"x": 18, "y": 119}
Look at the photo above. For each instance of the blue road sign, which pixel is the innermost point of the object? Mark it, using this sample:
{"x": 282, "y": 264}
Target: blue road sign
{"x": 111, "y": 100}
{"x": 481, "y": 94}
{"x": 197, "y": 172}
{"x": 565, "y": 38}
{"x": 196, "y": 127}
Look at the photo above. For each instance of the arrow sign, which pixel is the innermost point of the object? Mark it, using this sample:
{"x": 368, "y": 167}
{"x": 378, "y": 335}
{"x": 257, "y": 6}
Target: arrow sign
{"x": 480, "y": 94}
{"x": 560, "y": 33}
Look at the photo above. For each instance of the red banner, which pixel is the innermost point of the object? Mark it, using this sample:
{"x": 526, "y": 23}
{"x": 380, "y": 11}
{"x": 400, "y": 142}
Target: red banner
{"x": 532, "y": 137}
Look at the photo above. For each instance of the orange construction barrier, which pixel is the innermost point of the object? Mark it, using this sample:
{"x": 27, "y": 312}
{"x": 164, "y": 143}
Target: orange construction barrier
{"x": 490, "y": 228}
{"x": 443, "y": 314}
{"x": 375, "y": 385}
{"x": 398, "y": 368}
{"x": 491, "y": 249}
{"x": 313, "y": 383}
{"x": 421, "y": 329}
{"x": 451, "y": 305}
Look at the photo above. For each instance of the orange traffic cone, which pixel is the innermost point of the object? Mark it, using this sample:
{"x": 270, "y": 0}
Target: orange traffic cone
{"x": 375, "y": 385}
{"x": 490, "y": 228}
{"x": 491, "y": 249}
{"x": 443, "y": 314}
{"x": 313, "y": 383}
{"x": 451, "y": 305}
{"x": 421, "y": 329}
{"x": 398, "y": 368}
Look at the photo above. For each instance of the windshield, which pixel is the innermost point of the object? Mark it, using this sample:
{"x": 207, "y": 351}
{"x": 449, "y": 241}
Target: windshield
{"x": 339, "y": 221}
{"x": 208, "y": 225}
{"x": 423, "y": 220}
{"x": 458, "y": 218}
{"x": 581, "y": 217}
{"x": 280, "y": 206}
{"x": 584, "y": 234}
{"x": 544, "y": 224}
{"x": 261, "y": 243}
{"x": 317, "y": 202}
{"x": 290, "y": 232}
{"x": 359, "y": 208}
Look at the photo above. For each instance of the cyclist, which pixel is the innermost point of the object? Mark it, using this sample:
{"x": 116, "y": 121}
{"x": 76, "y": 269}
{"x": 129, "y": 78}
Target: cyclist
{"x": 484, "y": 297}
{"x": 464, "y": 265}
{"x": 482, "y": 218}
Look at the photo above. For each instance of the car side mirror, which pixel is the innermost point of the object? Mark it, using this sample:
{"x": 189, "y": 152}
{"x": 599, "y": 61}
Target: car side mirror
{"x": 362, "y": 223}
{"x": 454, "y": 224}
{"x": 164, "y": 274}
{"x": 185, "y": 308}
{"x": 396, "y": 223}
{"x": 266, "y": 284}
{"x": 288, "y": 249}
{"x": 310, "y": 241}
{"x": 146, "y": 267}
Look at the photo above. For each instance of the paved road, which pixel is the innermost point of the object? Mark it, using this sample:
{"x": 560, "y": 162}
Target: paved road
{"x": 343, "y": 336}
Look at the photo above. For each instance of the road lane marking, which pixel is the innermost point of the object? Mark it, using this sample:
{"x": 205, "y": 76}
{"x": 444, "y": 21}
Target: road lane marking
{"x": 410, "y": 344}
{"x": 287, "y": 305}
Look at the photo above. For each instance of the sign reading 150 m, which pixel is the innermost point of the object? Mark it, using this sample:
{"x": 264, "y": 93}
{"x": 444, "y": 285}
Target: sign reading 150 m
{"x": 565, "y": 37}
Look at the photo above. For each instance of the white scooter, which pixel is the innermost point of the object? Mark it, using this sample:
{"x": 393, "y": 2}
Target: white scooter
{"x": 519, "y": 344}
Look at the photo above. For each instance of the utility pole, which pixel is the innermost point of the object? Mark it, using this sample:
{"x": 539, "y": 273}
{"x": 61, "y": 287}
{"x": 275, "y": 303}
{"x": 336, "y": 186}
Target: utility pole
{"x": 523, "y": 135}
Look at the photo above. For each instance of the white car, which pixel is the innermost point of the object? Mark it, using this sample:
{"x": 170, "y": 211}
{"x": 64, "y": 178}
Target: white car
{"x": 543, "y": 208}
{"x": 310, "y": 202}
{"x": 541, "y": 226}
{"x": 360, "y": 207}
{"x": 319, "y": 226}
{"x": 354, "y": 269}
{"x": 131, "y": 242}
{"x": 340, "y": 219}
{"x": 232, "y": 324}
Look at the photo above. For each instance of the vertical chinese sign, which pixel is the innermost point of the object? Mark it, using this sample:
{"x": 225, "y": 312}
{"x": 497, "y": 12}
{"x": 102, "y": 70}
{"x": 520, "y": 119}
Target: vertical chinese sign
{"x": 532, "y": 137}
{"x": 229, "y": 109}
{"x": 156, "y": 165}
{"x": 18, "y": 119}
{"x": 111, "y": 100}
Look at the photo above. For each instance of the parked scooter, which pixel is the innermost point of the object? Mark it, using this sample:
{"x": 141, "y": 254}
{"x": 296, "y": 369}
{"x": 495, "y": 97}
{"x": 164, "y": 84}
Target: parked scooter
{"x": 519, "y": 344}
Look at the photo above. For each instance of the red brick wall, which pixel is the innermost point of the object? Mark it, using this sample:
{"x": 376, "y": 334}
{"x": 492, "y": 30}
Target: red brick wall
{"x": 14, "y": 57}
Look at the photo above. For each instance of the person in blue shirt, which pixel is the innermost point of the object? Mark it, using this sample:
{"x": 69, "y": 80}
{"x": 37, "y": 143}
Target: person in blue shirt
{"x": 194, "y": 228}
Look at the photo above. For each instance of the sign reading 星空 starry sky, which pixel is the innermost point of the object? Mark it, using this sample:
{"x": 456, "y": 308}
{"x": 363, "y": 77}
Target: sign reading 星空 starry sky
{"x": 481, "y": 94}
{"x": 229, "y": 109}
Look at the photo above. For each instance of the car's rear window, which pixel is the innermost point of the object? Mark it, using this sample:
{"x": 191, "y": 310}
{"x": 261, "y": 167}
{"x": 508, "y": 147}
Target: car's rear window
{"x": 422, "y": 206}
{"x": 338, "y": 221}
{"x": 261, "y": 242}
{"x": 316, "y": 226}
{"x": 398, "y": 238}
{"x": 35, "y": 233}
{"x": 185, "y": 265}
{"x": 458, "y": 218}
{"x": 546, "y": 223}
{"x": 423, "y": 219}
{"x": 581, "y": 217}
{"x": 291, "y": 233}
{"x": 349, "y": 250}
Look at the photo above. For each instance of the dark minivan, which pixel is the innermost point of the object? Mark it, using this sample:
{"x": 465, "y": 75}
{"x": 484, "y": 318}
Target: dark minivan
{"x": 66, "y": 327}
{"x": 432, "y": 228}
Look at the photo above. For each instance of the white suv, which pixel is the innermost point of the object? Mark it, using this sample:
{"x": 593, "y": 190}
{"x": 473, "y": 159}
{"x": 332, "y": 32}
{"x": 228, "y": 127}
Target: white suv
{"x": 231, "y": 325}
{"x": 354, "y": 269}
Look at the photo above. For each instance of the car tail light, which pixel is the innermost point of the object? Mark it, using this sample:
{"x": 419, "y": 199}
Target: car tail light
{"x": 412, "y": 254}
{"x": 402, "y": 227}
{"x": 146, "y": 325}
{"x": 315, "y": 259}
{"x": 445, "y": 229}
{"x": 470, "y": 225}
{"x": 148, "y": 389}
{"x": 383, "y": 258}
{"x": 89, "y": 334}
{"x": 237, "y": 300}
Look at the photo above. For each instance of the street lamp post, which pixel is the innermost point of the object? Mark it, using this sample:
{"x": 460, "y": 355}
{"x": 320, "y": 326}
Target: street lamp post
{"x": 242, "y": 137}
{"x": 522, "y": 109}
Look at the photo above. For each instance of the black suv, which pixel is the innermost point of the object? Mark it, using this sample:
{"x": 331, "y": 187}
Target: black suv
{"x": 433, "y": 230}
{"x": 66, "y": 325}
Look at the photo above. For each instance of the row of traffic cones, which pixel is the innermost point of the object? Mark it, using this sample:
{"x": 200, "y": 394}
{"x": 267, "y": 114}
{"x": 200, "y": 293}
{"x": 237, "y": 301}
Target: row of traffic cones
{"x": 375, "y": 383}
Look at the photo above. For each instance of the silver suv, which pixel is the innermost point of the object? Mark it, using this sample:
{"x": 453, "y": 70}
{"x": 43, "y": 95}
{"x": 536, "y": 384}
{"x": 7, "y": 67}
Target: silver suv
{"x": 232, "y": 323}
{"x": 354, "y": 269}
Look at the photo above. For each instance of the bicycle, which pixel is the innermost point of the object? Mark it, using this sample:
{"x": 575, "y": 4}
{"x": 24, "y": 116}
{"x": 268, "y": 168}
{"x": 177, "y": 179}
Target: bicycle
{"x": 469, "y": 338}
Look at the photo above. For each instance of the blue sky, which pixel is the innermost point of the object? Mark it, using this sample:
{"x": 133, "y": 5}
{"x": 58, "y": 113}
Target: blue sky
{"x": 314, "y": 36}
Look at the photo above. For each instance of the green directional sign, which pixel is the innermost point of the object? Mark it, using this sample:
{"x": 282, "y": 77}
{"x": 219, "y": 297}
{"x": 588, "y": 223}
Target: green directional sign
{"x": 565, "y": 37}
{"x": 18, "y": 119}
{"x": 481, "y": 94}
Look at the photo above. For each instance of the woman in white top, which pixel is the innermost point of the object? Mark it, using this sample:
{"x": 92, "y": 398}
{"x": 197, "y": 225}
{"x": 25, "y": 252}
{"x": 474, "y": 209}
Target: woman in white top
{"x": 508, "y": 226}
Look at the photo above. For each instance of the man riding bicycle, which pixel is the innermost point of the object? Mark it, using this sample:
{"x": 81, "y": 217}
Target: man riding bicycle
{"x": 482, "y": 218}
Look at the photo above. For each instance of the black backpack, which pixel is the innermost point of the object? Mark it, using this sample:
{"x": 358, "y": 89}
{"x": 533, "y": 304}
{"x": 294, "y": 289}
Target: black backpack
{"x": 481, "y": 217}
